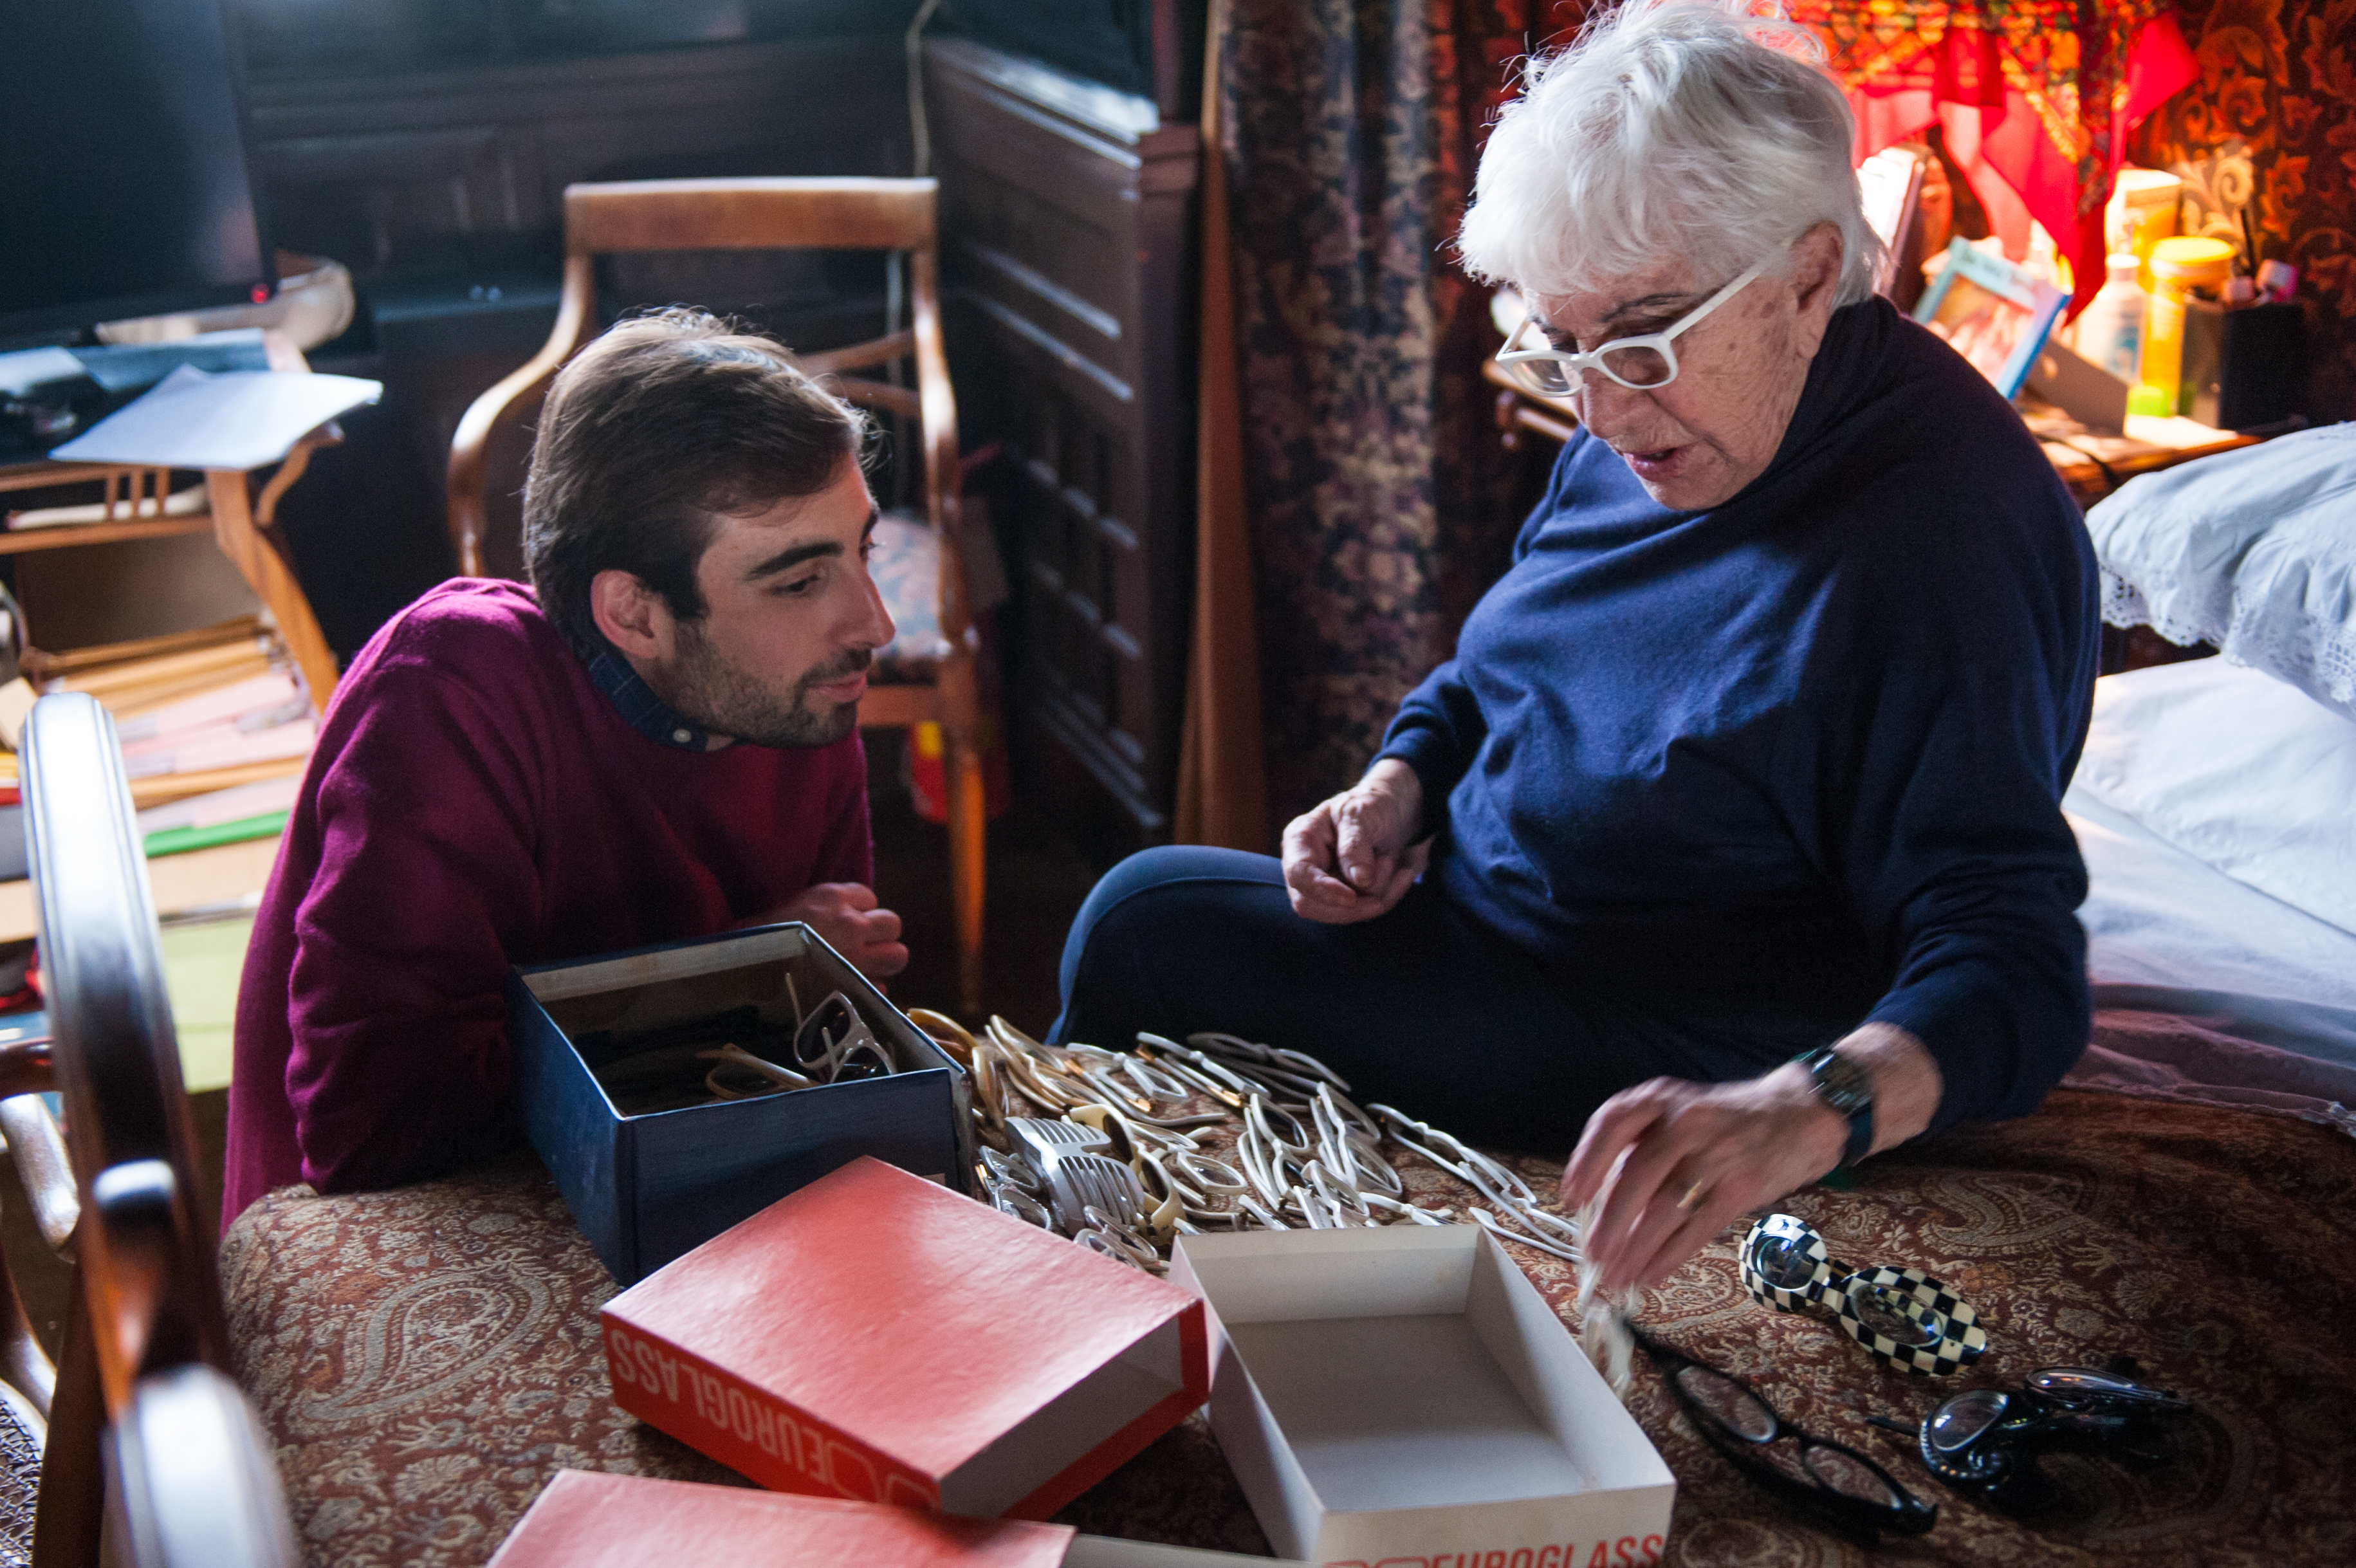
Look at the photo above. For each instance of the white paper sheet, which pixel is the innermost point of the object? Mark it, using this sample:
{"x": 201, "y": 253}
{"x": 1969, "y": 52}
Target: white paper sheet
{"x": 236, "y": 420}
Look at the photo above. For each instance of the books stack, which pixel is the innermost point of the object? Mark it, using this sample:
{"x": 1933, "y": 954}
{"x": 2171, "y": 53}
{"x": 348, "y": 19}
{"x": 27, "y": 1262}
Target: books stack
{"x": 215, "y": 729}
{"x": 199, "y": 713}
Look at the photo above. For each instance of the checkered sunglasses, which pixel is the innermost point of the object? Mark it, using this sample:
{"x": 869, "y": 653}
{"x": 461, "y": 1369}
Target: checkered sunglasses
{"x": 1902, "y": 1316}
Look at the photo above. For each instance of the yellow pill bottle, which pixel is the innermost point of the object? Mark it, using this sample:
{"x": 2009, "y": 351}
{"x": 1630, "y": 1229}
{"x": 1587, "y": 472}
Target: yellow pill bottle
{"x": 2180, "y": 268}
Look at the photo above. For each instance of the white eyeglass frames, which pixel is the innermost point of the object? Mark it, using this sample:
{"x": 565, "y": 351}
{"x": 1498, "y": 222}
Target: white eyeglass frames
{"x": 1642, "y": 363}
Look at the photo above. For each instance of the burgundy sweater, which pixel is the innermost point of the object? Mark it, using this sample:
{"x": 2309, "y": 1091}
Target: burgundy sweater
{"x": 476, "y": 801}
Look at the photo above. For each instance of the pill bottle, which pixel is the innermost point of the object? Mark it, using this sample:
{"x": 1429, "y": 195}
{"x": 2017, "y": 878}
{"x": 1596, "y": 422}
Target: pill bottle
{"x": 2110, "y": 333}
{"x": 2179, "y": 269}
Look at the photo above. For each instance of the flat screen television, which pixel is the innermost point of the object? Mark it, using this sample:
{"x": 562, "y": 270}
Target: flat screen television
{"x": 123, "y": 189}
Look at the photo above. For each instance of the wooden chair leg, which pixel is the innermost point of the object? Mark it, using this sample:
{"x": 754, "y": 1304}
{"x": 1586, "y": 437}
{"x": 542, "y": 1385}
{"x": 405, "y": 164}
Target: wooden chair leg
{"x": 968, "y": 821}
{"x": 71, "y": 1504}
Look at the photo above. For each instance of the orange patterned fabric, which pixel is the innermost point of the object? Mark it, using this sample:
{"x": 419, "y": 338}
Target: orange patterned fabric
{"x": 428, "y": 1358}
{"x": 2055, "y": 85}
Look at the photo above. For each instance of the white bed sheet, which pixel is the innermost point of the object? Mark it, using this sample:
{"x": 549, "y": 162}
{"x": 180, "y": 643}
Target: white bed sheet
{"x": 2167, "y": 932}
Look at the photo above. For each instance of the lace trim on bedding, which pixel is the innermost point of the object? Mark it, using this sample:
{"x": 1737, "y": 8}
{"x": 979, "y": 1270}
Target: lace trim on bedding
{"x": 2317, "y": 659}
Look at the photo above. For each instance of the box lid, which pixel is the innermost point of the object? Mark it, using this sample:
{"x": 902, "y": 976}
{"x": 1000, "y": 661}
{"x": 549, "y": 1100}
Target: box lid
{"x": 584, "y": 1520}
{"x": 588, "y": 1521}
{"x": 926, "y": 1324}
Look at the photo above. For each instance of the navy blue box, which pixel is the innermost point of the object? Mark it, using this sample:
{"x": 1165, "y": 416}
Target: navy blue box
{"x": 646, "y": 1188}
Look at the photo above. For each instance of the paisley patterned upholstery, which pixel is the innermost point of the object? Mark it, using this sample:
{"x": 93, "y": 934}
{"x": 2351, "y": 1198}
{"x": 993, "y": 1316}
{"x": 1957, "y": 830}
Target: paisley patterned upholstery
{"x": 906, "y": 566}
{"x": 428, "y": 1357}
{"x": 20, "y": 1478}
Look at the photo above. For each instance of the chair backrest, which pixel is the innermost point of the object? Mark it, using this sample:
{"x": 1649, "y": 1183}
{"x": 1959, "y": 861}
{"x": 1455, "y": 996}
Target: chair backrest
{"x": 839, "y": 214}
{"x": 750, "y": 215}
{"x": 146, "y": 1264}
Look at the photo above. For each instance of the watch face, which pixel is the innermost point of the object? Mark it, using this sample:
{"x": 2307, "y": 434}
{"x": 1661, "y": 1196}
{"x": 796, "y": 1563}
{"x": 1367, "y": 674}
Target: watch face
{"x": 1845, "y": 1085}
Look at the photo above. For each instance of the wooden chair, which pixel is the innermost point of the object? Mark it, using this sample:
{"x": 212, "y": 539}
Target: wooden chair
{"x": 143, "y": 1395}
{"x": 787, "y": 214}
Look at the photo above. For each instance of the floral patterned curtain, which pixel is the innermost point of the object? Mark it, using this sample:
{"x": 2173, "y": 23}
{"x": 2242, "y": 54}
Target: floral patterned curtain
{"x": 1349, "y": 130}
{"x": 2271, "y": 131}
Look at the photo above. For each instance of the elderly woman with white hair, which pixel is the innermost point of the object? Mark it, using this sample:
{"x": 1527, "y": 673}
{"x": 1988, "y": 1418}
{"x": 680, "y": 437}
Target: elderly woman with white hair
{"x": 1732, "y": 833}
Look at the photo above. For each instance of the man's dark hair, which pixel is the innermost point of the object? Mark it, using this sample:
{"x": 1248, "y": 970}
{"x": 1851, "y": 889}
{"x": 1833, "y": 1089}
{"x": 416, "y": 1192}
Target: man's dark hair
{"x": 649, "y": 436}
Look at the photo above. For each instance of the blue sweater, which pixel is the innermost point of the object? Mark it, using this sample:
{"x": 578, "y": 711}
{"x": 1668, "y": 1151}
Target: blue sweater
{"x": 1803, "y": 751}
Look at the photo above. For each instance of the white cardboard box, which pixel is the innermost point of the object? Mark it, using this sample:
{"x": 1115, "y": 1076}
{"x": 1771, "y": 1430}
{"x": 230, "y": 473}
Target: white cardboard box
{"x": 1404, "y": 1397}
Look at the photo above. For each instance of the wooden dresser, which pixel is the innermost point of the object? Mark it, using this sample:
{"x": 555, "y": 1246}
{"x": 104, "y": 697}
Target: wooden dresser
{"x": 1067, "y": 239}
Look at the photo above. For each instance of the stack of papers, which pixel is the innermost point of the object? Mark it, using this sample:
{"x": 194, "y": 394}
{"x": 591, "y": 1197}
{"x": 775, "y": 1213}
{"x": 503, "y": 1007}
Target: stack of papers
{"x": 238, "y": 419}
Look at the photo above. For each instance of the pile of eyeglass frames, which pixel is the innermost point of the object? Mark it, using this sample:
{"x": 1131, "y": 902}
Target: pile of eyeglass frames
{"x": 1119, "y": 1158}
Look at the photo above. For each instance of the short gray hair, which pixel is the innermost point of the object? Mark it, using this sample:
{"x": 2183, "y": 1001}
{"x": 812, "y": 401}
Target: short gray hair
{"x": 1668, "y": 128}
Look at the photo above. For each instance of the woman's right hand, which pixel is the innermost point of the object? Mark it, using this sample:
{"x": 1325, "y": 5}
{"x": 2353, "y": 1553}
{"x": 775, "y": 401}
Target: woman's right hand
{"x": 1353, "y": 857}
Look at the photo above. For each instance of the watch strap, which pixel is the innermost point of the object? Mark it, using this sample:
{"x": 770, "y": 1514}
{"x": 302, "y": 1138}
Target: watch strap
{"x": 1847, "y": 1090}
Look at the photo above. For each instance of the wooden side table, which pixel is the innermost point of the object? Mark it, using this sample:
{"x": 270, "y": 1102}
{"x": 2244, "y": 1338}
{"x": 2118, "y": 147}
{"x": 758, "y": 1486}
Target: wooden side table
{"x": 239, "y": 513}
{"x": 2094, "y": 464}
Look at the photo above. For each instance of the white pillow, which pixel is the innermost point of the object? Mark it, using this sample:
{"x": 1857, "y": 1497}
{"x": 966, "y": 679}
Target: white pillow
{"x": 2252, "y": 550}
{"x": 2238, "y": 768}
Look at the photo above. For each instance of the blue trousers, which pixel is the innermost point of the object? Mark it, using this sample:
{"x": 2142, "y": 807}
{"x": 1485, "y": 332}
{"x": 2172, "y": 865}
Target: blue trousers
{"x": 1422, "y": 1008}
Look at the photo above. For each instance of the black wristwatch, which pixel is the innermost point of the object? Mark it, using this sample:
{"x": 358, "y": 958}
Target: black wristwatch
{"x": 1847, "y": 1089}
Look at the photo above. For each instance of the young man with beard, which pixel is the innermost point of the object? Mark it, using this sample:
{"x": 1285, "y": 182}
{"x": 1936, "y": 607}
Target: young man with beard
{"x": 657, "y": 740}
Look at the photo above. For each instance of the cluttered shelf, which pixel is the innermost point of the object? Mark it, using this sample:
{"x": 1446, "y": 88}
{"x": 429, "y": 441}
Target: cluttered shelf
{"x": 2095, "y": 462}
{"x": 217, "y": 722}
{"x": 216, "y": 728}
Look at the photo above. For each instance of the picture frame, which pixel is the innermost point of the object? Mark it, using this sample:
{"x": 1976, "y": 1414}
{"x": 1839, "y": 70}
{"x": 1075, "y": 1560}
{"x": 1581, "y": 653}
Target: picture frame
{"x": 1995, "y": 314}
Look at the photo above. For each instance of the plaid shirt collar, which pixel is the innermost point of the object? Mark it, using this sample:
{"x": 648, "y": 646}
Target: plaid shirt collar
{"x": 640, "y": 708}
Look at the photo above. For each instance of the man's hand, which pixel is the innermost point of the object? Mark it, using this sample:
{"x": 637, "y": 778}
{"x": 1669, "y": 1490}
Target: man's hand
{"x": 1675, "y": 1162}
{"x": 1350, "y": 858}
{"x": 847, "y": 916}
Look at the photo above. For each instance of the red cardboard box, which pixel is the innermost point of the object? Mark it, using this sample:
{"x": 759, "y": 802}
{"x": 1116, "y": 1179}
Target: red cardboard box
{"x": 584, "y": 1520}
{"x": 875, "y": 1337}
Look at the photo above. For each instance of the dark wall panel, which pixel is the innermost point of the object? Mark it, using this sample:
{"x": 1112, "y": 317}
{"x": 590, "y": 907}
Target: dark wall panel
{"x": 1067, "y": 233}
{"x": 441, "y": 185}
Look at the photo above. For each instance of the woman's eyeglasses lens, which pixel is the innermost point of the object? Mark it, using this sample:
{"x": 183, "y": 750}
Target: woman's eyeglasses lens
{"x": 1641, "y": 367}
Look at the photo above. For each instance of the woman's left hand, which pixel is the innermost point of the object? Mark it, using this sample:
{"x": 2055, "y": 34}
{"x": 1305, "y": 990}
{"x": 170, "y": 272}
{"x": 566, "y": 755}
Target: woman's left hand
{"x": 1676, "y": 1162}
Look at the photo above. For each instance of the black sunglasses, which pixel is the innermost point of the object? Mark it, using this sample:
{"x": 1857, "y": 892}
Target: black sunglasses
{"x": 1831, "y": 1480}
{"x": 1986, "y": 1440}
